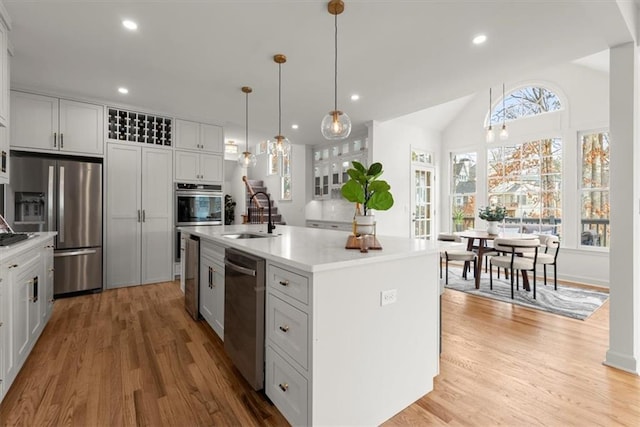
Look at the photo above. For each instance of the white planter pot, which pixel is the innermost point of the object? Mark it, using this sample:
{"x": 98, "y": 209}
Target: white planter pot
{"x": 365, "y": 224}
{"x": 492, "y": 227}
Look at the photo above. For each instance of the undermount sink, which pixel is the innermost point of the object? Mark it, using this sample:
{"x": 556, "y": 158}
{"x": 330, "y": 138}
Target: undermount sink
{"x": 247, "y": 235}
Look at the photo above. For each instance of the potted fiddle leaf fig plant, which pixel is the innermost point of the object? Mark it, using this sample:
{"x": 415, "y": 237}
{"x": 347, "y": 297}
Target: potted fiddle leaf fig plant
{"x": 366, "y": 189}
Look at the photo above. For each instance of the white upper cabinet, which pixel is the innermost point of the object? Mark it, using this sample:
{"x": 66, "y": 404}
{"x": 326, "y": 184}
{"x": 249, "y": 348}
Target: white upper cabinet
{"x": 195, "y": 167}
{"x": 4, "y": 72}
{"x": 198, "y": 136}
{"x": 51, "y": 124}
{"x": 211, "y": 138}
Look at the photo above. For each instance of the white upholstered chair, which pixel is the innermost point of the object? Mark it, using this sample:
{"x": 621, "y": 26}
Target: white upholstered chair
{"x": 455, "y": 255}
{"x": 551, "y": 245}
{"x": 513, "y": 258}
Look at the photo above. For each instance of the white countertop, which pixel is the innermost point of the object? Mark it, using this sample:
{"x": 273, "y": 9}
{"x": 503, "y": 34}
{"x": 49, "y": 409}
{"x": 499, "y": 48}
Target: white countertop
{"x": 7, "y": 252}
{"x": 311, "y": 249}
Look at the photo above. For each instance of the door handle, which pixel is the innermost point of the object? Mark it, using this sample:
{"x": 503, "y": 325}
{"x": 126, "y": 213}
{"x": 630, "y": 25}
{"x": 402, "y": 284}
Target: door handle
{"x": 35, "y": 289}
{"x": 55, "y": 140}
{"x": 139, "y": 216}
{"x": 61, "y": 140}
{"x": 74, "y": 253}
{"x": 144, "y": 215}
{"x": 50, "y": 200}
{"x": 61, "y": 204}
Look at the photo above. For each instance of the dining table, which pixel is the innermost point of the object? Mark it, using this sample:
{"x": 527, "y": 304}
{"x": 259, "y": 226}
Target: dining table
{"x": 482, "y": 238}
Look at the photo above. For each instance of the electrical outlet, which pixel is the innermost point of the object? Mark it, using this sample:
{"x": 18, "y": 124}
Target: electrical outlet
{"x": 388, "y": 297}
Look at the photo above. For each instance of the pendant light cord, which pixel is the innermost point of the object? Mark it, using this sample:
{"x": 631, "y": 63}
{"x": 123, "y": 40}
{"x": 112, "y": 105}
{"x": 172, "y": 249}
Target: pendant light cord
{"x": 246, "y": 124}
{"x": 335, "y": 71}
{"x": 279, "y": 99}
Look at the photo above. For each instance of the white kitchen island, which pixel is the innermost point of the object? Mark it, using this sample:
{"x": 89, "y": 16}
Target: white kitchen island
{"x": 335, "y": 353}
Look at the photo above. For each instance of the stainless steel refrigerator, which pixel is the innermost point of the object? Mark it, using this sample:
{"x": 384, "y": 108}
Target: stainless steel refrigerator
{"x": 62, "y": 194}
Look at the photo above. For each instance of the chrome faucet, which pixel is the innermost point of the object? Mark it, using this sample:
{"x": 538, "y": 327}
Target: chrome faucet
{"x": 270, "y": 225}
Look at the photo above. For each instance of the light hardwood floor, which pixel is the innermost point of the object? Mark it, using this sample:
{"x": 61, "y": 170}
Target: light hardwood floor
{"x": 133, "y": 357}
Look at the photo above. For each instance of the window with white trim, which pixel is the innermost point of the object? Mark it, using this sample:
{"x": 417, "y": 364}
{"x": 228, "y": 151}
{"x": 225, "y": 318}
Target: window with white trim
{"x": 594, "y": 192}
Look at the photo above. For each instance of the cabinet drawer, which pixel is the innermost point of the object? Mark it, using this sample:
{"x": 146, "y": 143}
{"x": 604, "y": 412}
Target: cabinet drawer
{"x": 287, "y": 328}
{"x": 291, "y": 284}
{"x": 286, "y": 388}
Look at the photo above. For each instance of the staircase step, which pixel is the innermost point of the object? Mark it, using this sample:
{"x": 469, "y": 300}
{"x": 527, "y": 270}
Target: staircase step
{"x": 255, "y": 183}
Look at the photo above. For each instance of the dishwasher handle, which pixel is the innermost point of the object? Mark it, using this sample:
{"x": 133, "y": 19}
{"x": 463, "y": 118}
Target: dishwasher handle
{"x": 239, "y": 268}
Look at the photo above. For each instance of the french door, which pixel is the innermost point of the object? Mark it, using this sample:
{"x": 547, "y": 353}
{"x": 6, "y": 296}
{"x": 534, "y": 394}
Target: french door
{"x": 422, "y": 197}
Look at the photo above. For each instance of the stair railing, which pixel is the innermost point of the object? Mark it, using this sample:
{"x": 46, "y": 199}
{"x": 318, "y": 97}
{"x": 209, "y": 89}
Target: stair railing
{"x": 258, "y": 206}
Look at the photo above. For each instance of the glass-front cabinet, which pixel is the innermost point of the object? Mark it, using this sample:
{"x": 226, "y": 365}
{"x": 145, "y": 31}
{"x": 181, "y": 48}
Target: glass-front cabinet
{"x": 330, "y": 165}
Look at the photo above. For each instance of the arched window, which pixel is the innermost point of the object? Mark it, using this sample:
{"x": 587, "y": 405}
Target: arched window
{"x": 526, "y": 176}
{"x": 526, "y": 102}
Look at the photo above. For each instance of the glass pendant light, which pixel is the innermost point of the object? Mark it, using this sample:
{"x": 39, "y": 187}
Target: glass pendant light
{"x": 491, "y": 136}
{"x": 504, "y": 133}
{"x": 246, "y": 159}
{"x": 335, "y": 125}
{"x": 280, "y": 145}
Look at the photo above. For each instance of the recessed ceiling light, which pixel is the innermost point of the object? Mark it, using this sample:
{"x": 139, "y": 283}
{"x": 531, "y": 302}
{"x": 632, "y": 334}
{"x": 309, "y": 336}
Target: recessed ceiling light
{"x": 294, "y": 126}
{"x": 479, "y": 39}
{"x": 123, "y": 90}
{"x": 130, "y": 25}
{"x": 355, "y": 97}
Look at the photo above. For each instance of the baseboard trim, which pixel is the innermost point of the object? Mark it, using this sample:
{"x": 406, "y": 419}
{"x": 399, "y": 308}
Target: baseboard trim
{"x": 622, "y": 362}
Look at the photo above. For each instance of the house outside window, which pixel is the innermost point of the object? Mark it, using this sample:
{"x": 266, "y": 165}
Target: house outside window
{"x": 463, "y": 191}
{"x": 595, "y": 229}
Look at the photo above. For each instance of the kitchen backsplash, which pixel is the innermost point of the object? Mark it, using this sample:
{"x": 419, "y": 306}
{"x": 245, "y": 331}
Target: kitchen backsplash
{"x": 330, "y": 210}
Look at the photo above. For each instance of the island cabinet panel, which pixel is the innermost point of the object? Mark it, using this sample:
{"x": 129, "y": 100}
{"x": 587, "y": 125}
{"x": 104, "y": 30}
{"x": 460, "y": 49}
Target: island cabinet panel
{"x": 212, "y": 286}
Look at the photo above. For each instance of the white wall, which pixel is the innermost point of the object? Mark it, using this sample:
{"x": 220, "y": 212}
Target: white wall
{"x": 585, "y": 95}
{"x": 390, "y": 144}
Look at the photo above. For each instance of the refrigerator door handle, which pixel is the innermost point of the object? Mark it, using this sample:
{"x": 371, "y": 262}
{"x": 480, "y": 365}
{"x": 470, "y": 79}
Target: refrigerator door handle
{"x": 74, "y": 253}
{"x": 50, "y": 184}
{"x": 61, "y": 204}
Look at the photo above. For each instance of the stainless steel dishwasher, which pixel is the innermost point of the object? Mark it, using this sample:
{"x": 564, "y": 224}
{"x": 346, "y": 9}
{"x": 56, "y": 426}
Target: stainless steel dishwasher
{"x": 244, "y": 276}
{"x": 192, "y": 276}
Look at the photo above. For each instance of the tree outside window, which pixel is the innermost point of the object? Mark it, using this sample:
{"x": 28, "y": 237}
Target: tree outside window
{"x": 527, "y": 179}
{"x": 463, "y": 191}
{"x": 595, "y": 206}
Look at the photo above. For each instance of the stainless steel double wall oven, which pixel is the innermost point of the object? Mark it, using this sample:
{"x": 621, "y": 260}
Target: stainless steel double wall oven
{"x": 197, "y": 204}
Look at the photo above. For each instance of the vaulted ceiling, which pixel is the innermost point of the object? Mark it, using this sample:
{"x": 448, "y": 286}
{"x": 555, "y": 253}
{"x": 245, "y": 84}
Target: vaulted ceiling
{"x": 190, "y": 58}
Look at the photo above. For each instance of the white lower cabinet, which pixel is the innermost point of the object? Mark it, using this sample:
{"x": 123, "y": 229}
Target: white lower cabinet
{"x": 287, "y": 388}
{"x": 287, "y": 332}
{"x": 139, "y": 215}
{"x": 212, "y": 286}
{"x": 6, "y": 366}
{"x": 24, "y": 306}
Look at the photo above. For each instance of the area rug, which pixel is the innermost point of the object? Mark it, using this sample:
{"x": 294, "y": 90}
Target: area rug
{"x": 567, "y": 301}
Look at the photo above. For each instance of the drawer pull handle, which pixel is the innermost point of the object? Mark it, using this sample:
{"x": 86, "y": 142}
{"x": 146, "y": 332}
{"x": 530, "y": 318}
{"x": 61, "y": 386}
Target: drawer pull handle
{"x": 284, "y": 282}
{"x": 284, "y": 328}
{"x": 284, "y": 387}
{"x": 13, "y": 266}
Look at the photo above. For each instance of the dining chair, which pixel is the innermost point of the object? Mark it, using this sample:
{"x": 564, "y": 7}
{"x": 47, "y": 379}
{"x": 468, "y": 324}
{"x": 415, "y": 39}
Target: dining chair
{"x": 513, "y": 258}
{"x": 551, "y": 245}
{"x": 455, "y": 255}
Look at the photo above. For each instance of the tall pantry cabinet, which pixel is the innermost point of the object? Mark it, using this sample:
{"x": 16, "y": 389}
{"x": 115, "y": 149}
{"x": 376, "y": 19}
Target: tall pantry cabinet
{"x": 139, "y": 215}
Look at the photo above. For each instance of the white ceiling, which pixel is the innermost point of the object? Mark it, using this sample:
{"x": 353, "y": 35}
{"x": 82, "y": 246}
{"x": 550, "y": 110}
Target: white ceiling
{"x": 190, "y": 58}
